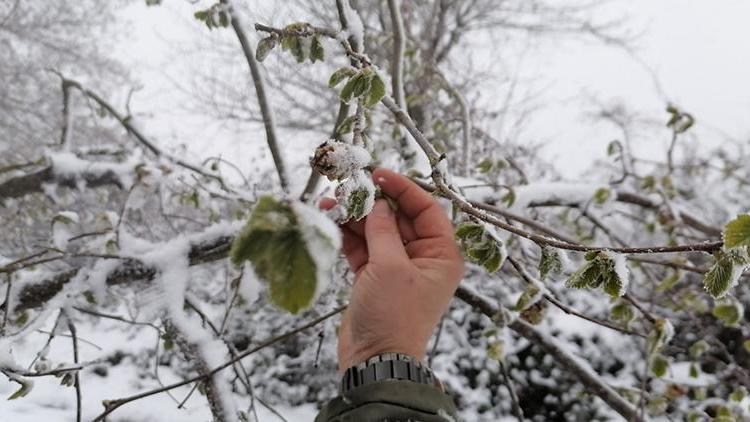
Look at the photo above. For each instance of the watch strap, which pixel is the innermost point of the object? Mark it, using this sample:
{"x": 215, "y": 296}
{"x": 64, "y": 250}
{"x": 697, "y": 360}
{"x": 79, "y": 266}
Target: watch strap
{"x": 388, "y": 366}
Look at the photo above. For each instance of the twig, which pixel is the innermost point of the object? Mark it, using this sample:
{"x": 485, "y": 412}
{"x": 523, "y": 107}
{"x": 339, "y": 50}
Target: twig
{"x": 577, "y": 367}
{"x": 461, "y": 202}
{"x": 397, "y": 57}
{"x": 565, "y": 308}
{"x": 512, "y": 392}
{"x": 260, "y": 91}
{"x": 112, "y": 405}
{"x": 76, "y": 375}
{"x": 465, "y": 121}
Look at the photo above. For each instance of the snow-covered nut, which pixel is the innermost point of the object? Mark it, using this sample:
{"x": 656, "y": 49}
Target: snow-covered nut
{"x": 338, "y": 160}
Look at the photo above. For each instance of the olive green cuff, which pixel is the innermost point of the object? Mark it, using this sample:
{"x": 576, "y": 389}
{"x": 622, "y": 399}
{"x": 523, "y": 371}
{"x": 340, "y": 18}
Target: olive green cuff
{"x": 390, "y": 400}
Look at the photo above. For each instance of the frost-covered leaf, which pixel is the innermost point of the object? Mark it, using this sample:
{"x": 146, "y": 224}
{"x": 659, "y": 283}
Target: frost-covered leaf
{"x": 737, "y": 232}
{"x": 694, "y": 371}
{"x": 659, "y": 365}
{"x": 341, "y": 74}
{"x": 496, "y": 350}
{"x": 265, "y": 46}
{"x": 738, "y": 394}
{"x": 510, "y": 197}
{"x": 730, "y": 313}
{"x": 376, "y": 92}
{"x": 485, "y": 165}
{"x": 356, "y": 195}
{"x": 726, "y": 271}
{"x": 602, "y": 195}
{"x": 551, "y": 262}
{"x": 535, "y": 313}
{"x": 587, "y": 276}
{"x": 362, "y": 86}
{"x": 530, "y": 296}
{"x": 26, "y": 386}
{"x": 481, "y": 245}
{"x": 604, "y": 268}
{"x": 346, "y": 126}
{"x": 622, "y": 312}
{"x": 698, "y": 348}
{"x": 347, "y": 92}
{"x": 316, "y": 50}
{"x": 660, "y": 336}
{"x": 277, "y": 243}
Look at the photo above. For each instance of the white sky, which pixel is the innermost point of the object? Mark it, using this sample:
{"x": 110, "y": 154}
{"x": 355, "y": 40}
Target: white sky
{"x": 698, "y": 49}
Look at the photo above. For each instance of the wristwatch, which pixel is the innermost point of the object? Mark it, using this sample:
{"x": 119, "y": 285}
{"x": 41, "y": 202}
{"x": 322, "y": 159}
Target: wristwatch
{"x": 397, "y": 366}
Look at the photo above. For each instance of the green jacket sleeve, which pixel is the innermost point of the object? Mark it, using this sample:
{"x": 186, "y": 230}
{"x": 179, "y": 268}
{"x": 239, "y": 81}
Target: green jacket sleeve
{"x": 390, "y": 400}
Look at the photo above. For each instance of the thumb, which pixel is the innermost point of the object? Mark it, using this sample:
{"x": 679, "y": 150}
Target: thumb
{"x": 382, "y": 235}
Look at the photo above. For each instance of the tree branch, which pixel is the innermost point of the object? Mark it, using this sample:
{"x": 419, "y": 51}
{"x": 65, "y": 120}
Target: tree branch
{"x": 260, "y": 90}
{"x": 565, "y": 359}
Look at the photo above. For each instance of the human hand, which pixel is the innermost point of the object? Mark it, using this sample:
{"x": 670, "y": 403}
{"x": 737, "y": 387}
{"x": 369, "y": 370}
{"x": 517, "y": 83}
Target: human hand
{"x": 407, "y": 267}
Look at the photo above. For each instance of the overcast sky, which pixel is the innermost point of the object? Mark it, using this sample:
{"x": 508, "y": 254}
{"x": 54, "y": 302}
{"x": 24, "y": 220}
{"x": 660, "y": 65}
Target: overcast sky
{"x": 697, "y": 49}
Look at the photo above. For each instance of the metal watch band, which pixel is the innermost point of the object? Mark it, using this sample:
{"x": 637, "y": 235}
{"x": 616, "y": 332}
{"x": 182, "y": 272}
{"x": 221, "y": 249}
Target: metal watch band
{"x": 388, "y": 366}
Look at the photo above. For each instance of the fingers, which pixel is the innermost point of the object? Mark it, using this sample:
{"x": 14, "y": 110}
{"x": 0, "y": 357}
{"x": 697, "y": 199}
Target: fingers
{"x": 355, "y": 250}
{"x": 428, "y": 217}
{"x": 384, "y": 243}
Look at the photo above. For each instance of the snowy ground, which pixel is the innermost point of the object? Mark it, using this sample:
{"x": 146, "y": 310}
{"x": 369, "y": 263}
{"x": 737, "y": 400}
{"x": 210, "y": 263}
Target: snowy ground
{"x": 49, "y": 401}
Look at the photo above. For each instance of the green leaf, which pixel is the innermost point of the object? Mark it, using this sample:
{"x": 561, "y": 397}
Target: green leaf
{"x": 746, "y": 345}
{"x": 510, "y": 197}
{"x": 612, "y": 147}
{"x": 347, "y": 92}
{"x": 729, "y": 313}
{"x": 737, "y": 232}
{"x": 659, "y": 365}
{"x": 612, "y": 285}
{"x": 485, "y": 165}
{"x": 660, "y": 336}
{"x": 622, "y": 312}
{"x": 724, "y": 273}
{"x": 26, "y": 386}
{"x": 316, "y": 50}
{"x": 272, "y": 240}
{"x": 297, "y": 49}
{"x": 265, "y": 46}
{"x": 694, "y": 371}
{"x": 738, "y": 394}
{"x": 341, "y": 74}
{"x": 481, "y": 246}
{"x": 22, "y": 319}
{"x": 587, "y": 276}
{"x": 698, "y": 348}
{"x": 223, "y": 19}
{"x": 346, "y": 126}
{"x": 495, "y": 350}
{"x": 469, "y": 231}
{"x": 601, "y": 195}
{"x": 362, "y": 86}
{"x": 376, "y": 92}
{"x": 550, "y": 262}
{"x": 527, "y": 298}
